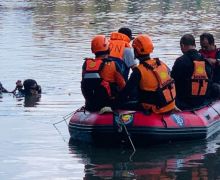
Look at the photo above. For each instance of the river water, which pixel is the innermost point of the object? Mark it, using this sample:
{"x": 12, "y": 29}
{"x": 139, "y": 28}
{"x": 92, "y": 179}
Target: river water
{"x": 47, "y": 40}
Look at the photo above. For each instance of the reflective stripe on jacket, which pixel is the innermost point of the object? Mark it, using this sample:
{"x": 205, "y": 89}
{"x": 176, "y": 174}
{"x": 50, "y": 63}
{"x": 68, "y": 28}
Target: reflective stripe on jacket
{"x": 105, "y": 72}
{"x": 92, "y": 68}
{"x": 91, "y": 79}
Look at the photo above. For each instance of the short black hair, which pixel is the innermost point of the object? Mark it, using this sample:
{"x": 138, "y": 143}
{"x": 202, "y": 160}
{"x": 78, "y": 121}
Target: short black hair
{"x": 30, "y": 84}
{"x": 208, "y": 36}
{"x": 188, "y": 39}
{"x": 126, "y": 31}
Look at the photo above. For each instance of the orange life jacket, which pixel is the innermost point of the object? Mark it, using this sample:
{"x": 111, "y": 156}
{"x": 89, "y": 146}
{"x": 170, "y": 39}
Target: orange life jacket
{"x": 156, "y": 85}
{"x": 91, "y": 79}
{"x": 199, "y": 79}
{"x": 118, "y": 42}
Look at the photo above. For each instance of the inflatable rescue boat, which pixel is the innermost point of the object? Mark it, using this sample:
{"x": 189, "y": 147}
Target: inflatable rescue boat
{"x": 141, "y": 128}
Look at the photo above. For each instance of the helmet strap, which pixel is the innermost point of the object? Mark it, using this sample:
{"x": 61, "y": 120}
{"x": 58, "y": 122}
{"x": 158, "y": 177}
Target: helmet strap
{"x": 101, "y": 53}
{"x": 144, "y": 57}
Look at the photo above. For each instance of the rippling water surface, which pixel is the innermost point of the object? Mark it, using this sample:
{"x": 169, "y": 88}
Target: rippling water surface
{"x": 47, "y": 40}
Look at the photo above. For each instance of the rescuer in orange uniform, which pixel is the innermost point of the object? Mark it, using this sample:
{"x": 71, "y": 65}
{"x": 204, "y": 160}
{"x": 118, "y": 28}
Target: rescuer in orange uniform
{"x": 101, "y": 77}
{"x": 156, "y": 89}
{"x": 121, "y": 51}
{"x": 192, "y": 75}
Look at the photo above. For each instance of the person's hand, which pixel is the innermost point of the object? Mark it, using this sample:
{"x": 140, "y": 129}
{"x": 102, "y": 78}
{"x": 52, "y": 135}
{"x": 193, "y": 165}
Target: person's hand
{"x": 211, "y": 61}
{"x": 19, "y": 83}
{"x": 19, "y": 86}
{"x": 176, "y": 110}
{"x": 217, "y": 62}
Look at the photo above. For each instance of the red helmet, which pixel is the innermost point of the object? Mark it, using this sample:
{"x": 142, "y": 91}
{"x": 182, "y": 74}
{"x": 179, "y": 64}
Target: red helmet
{"x": 99, "y": 44}
{"x": 143, "y": 44}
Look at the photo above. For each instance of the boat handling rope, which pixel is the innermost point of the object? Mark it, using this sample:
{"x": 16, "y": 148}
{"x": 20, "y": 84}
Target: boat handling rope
{"x": 68, "y": 116}
{"x": 65, "y": 118}
{"x": 214, "y": 109}
{"x": 121, "y": 124}
{"x": 59, "y": 133}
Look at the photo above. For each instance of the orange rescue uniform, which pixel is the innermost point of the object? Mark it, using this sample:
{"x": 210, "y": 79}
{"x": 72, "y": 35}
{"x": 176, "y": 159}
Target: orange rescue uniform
{"x": 199, "y": 79}
{"x": 105, "y": 70}
{"x": 118, "y": 42}
{"x": 157, "y": 87}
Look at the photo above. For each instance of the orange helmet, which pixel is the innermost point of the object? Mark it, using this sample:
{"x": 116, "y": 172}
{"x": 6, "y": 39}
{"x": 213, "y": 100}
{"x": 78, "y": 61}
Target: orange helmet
{"x": 99, "y": 44}
{"x": 143, "y": 44}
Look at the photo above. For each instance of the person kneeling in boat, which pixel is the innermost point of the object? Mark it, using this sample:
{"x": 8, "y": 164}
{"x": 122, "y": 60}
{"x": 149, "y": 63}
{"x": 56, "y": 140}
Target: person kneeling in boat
{"x": 156, "y": 89}
{"x": 28, "y": 88}
{"x": 101, "y": 77}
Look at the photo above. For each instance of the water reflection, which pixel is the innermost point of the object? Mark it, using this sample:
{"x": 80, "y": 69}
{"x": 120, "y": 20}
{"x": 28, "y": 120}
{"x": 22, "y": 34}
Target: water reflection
{"x": 109, "y": 15}
{"x": 172, "y": 161}
{"x": 74, "y": 21}
{"x": 31, "y": 101}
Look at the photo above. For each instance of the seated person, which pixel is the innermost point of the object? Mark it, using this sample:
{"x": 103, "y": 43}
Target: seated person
{"x": 209, "y": 49}
{"x": 101, "y": 77}
{"x": 212, "y": 55}
{"x": 156, "y": 89}
{"x": 28, "y": 88}
{"x": 121, "y": 52}
{"x": 2, "y": 89}
{"x": 192, "y": 75}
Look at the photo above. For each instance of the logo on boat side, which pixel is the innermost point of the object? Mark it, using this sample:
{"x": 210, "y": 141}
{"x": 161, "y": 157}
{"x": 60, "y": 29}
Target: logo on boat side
{"x": 178, "y": 119}
{"x": 125, "y": 118}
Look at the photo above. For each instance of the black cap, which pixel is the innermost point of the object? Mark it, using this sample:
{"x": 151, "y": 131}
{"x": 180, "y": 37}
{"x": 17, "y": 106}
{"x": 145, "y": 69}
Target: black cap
{"x": 126, "y": 31}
